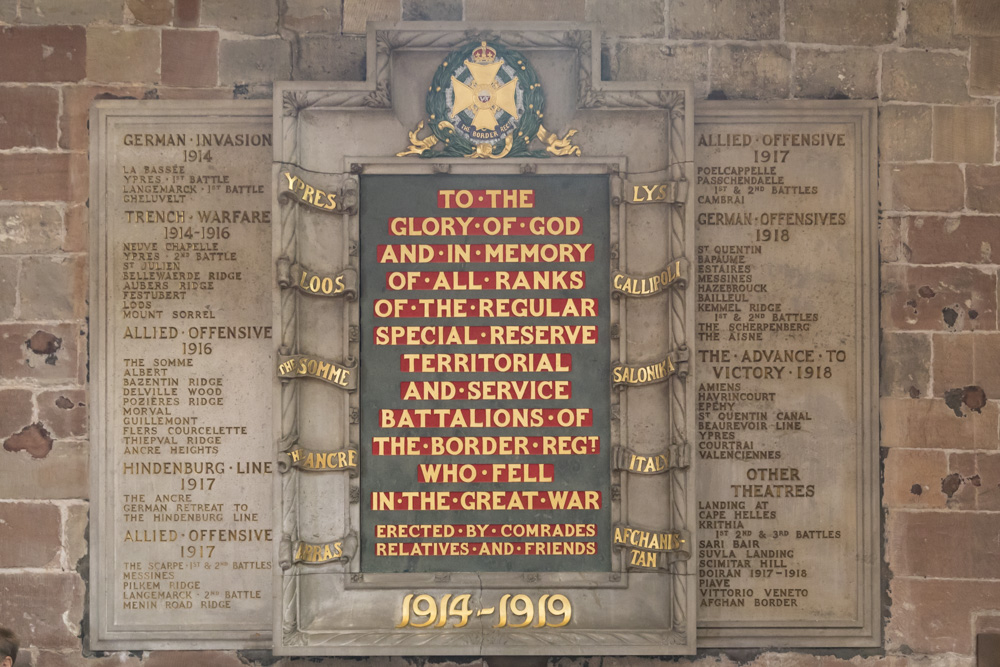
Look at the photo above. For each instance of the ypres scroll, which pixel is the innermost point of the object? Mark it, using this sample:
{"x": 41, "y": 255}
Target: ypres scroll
{"x": 785, "y": 372}
{"x": 180, "y": 351}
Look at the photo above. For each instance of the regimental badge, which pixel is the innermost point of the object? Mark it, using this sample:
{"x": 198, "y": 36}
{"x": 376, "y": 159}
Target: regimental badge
{"x": 485, "y": 101}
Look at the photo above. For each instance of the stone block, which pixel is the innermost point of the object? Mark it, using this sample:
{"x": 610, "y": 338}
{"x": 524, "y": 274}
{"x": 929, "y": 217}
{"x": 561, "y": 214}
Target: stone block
{"x": 74, "y": 659}
{"x": 190, "y": 58}
{"x": 831, "y": 74}
{"x": 44, "y": 609}
{"x": 637, "y": 18}
{"x": 525, "y": 10}
{"x": 913, "y": 478}
{"x": 652, "y": 62}
{"x": 64, "y": 412}
{"x": 75, "y": 533}
{"x": 123, "y": 55}
{"x": 63, "y": 473}
{"x": 151, "y": 12}
{"x": 724, "y": 19}
{"x": 924, "y": 76}
{"x": 194, "y": 94}
{"x": 76, "y": 221}
{"x": 29, "y": 229}
{"x": 904, "y": 132}
{"x": 977, "y": 17}
{"x": 938, "y": 612}
{"x": 43, "y": 53}
{"x": 187, "y": 13}
{"x": 53, "y": 288}
{"x": 982, "y": 188}
{"x": 41, "y": 177}
{"x": 984, "y": 66}
{"x": 751, "y": 72}
{"x": 255, "y": 61}
{"x": 30, "y": 534}
{"x": 250, "y": 17}
{"x": 959, "y": 485}
{"x": 9, "y": 270}
{"x": 75, "y": 120}
{"x": 930, "y": 423}
{"x": 930, "y": 24}
{"x": 359, "y": 13}
{"x": 432, "y": 10}
{"x": 312, "y": 16}
{"x": 966, "y": 361}
{"x": 890, "y": 240}
{"x": 958, "y": 545}
{"x": 856, "y": 22}
{"x": 905, "y": 369}
{"x": 192, "y": 659}
{"x": 964, "y": 134}
{"x": 965, "y": 239}
{"x": 988, "y": 488}
{"x": 922, "y": 187}
{"x": 77, "y": 12}
{"x": 29, "y": 117}
{"x": 938, "y": 298}
{"x": 18, "y": 409}
{"x": 45, "y": 353}
{"x": 325, "y": 58}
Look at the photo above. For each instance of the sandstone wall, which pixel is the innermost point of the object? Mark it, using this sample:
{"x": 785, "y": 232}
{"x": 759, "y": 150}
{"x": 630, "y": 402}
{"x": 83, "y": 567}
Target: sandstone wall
{"x": 934, "y": 66}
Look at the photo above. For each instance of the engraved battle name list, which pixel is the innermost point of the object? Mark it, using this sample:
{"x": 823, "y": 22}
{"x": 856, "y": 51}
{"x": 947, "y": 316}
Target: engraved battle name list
{"x": 183, "y": 349}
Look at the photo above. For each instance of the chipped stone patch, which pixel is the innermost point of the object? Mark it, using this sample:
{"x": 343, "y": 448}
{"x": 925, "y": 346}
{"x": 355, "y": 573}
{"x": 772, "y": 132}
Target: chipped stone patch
{"x": 34, "y": 439}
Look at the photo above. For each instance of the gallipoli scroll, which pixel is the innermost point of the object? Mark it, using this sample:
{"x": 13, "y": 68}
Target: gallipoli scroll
{"x": 181, "y": 537}
{"x": 485, "y": 441}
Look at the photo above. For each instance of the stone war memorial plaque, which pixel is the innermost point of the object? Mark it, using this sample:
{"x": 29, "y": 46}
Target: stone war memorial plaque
{"x": 483, "y": 324}
{"x": 180, "y": 331}
{"x": 786, "y": 372}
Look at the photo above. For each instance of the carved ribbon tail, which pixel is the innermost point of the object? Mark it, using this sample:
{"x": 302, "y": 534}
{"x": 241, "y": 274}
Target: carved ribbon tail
{"x": 555, "y": 145}
{"x": 417, "y": 145}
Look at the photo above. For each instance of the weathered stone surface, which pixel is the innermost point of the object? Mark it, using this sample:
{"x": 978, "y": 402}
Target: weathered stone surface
{"x": 905, "y": 368}
{"x": 829, "y": 74}
{"x": 938, "y": 612}
{"x": 964, "y": 134}
{"x": 53, "y": 288}
{"x": 432, "y": 10}
{"x": 190, "y": 58}
{"x": 855, "y": 22}
{"x": 321, "y": 57}
{"x": 922, "y": 76}
{"x": 525, "y": 10}
{"x": 982, "y": 183}
{"x": 751, "y": 72}
{"x": 988, "y": 489}
{"x": 913, "y": 478}
{"x": 9, "y": 269}
{"x": 43, "y": 609}
{"x": 312, "y": 16}
{"x": 78, "y": 12}
{"x": 640, "y": 18}
{"x": 63, "y": 473}
{"x": 75, "y": 527}
{"x": 984, "y": 66}
{"x": 358, "y": 13}
{"x": 151, "y": 12}
{"x": 250, "y": 17}
{"x": 959, "y": 485}
{"x": 192, "y": 659}
{"x": 961, "y": 361}
{"x": 55, "y": 360}
{"x": 64, "y": 412}
{"x": 255, "y": 61}
{"x": 931, "y": 423}
{"x": 195, "y": 94}
{"x": 74, "y": 130}
{"x": 966, "y": 239}
{"x": 17, "y": 411}
{"x": 977, "y": 17}
{"x": 651, "y": 62}
{"x": 904, "y": 132}
{"x": 187, "y": 13}
{"x": 73, "y": 659}
{"x": 30, "y": 534}
{"x": 33, "y": 439}
{"x": 43, "y": 53}
{"x": 76, "y": 238}
{"x": 890, "y": 240}
{"x": 922, "y": 187}
{"x": 123, "y": 55}
{"x": 26, "y": 228}
{"x": 28, "y": 117}
{"x": 41, "y": 177}
{"x": 938, "y": 298}
{"x": 931, "y": 24}
{"x": 724, "y": 19}
{"x": 918, "y": 539}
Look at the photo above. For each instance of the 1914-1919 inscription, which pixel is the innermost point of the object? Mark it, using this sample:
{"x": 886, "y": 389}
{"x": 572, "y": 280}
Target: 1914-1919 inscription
{"x": 787, "y": 517}
{"x": 180, "y": 348}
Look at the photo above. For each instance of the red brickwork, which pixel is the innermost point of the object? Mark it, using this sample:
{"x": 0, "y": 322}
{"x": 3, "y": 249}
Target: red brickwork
{"x": 933, "y": 65}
